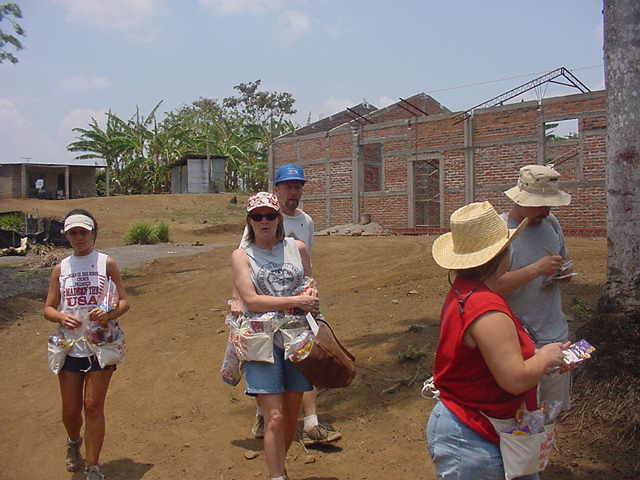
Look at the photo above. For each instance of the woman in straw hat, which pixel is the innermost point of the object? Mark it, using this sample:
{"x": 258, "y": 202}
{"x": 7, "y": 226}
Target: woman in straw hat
{"x": 265, "y": 274}
{"x": 485, "y": 363}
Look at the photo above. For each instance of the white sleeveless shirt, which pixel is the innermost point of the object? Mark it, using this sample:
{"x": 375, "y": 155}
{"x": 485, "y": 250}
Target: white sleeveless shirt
{"x": 82, "y": 285}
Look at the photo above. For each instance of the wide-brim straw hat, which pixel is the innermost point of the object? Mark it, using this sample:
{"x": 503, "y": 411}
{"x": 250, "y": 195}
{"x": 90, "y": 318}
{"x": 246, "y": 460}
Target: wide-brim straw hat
{"x": 538, "y": 187}
{"x": 477, "y": 235}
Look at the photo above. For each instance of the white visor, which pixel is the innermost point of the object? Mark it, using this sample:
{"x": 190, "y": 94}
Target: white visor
{"x": 79, "y": 220}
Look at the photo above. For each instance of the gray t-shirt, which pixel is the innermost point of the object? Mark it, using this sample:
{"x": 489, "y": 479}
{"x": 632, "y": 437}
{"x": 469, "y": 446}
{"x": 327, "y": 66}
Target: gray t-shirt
{"x": 277, "y": 272}
{"x": 539, "y": 308}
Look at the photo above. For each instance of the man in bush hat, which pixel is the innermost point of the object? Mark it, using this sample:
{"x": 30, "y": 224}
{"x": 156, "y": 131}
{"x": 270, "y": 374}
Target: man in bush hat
{"x": 288, "y": 186}
{"x": 538, "y": 265}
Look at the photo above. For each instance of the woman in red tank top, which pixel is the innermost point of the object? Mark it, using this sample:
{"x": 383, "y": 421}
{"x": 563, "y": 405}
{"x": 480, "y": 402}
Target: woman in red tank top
{"x": 485, "y": 364}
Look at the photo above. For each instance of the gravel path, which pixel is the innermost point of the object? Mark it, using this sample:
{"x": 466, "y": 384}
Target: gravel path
{"x": 18, "y": 278}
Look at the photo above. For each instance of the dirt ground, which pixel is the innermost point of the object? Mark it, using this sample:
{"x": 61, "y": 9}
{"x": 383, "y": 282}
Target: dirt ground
{"x": 169, "y": 414}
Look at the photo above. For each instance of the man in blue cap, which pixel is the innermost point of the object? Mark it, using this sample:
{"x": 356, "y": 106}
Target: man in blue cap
{"x": 289, "y": 185}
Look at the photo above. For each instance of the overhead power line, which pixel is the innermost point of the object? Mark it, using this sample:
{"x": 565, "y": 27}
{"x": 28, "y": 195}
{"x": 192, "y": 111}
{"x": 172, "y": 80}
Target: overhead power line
{"x": 488, "y": 82}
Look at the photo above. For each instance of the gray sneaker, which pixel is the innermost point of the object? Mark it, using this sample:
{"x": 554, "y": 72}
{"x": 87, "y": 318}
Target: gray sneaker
{"x": 73, "y": 459}
{"x": 320, "y": 434}
{"x": 93, "y": 473}
{"x": 258, "y": 428}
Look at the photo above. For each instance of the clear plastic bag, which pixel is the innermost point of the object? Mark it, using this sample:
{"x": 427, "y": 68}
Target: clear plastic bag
{"x": 58, "y": 347}
{"x": 231, "y": 370}
{"x": 112, "y": 352}
{"x": 300, "y": 347}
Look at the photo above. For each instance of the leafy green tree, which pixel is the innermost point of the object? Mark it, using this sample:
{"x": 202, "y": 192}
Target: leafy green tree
{"x": 139, "y": 152}
{"x": 10, "y": 11}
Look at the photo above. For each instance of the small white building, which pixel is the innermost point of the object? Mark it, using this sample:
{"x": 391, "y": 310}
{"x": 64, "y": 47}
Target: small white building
{"x": 32, "y": 179}
{"x": 198, "y": 174}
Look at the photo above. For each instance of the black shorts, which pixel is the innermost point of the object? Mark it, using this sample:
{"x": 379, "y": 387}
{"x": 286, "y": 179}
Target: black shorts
{"x": 83, "y": 364}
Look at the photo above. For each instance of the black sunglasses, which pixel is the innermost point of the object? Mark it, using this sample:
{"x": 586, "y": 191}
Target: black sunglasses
{"x": 259, "y": 216}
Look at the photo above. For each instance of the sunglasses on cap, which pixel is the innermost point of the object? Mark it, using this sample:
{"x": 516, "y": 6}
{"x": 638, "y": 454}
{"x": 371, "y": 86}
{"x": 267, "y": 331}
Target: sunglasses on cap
{"x": 259, "y": 216}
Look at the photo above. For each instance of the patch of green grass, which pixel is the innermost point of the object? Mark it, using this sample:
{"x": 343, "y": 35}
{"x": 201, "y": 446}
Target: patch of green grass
{"x": 411, "y": 354}
{"x": 162, "y": 232}
{"x": 143, "y": 233}
{"x": 12, "y": 221}
{"x": 126, "y": 274}
{"x": 582, "y": 311}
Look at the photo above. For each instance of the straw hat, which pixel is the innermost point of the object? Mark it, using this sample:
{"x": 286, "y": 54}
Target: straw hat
{"x": 477, "y": 235}
{"x": 538, "y": 187}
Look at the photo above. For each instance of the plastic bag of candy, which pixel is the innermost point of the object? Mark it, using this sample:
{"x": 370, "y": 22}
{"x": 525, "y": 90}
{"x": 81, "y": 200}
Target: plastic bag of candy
{"x": 112, "y": 351}
{"x": 99, "y": 334}
{"x": 300, "y": 347}
{"x": 57, "y": 348}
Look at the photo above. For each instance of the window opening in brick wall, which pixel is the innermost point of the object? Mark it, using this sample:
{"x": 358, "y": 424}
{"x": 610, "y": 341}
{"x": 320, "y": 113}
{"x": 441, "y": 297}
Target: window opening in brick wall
{"x": 561, "y": 130}
{"x": 371, "y": 167}
{"x": 427, "y": 192}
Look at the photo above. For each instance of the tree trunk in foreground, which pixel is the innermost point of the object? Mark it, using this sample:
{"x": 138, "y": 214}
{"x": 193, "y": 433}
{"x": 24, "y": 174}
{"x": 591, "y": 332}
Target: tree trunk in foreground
{"x": 622, "y": 77}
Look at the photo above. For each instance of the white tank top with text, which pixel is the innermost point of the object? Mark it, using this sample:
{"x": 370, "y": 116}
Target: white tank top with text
{"x": 82, "y": 285}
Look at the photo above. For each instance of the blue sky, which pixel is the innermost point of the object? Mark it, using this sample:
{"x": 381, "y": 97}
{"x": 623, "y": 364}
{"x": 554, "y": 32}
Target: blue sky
{"x": 84, "y": 57}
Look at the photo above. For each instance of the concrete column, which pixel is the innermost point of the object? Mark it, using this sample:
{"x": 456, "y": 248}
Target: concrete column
{"x": 107, "y": 189}
{"x": 66, "y": 182}
{"x": 23, "y": 181}
{"x": 444, "y": 222}
{"x": 541, "y": 136}
{"x": 411, "y": 192}
{"x": 469, "y": 162}
{"x": 356, "y": 180}
{"x": 270, "y": 168}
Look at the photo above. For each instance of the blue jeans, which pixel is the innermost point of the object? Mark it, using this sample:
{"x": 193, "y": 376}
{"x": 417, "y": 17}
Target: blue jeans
{"x": 278, "y": 377}
{"x": 460, "y": 453}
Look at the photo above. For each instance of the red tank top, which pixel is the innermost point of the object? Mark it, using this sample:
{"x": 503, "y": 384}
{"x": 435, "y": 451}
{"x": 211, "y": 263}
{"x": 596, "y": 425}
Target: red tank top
{"x": 465, "y": 382}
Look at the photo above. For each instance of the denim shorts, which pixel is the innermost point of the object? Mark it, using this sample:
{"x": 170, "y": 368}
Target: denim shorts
{"x": 83, "y": 364}
{"x": 460, "y": 453}
{"x": 278, "y": 377}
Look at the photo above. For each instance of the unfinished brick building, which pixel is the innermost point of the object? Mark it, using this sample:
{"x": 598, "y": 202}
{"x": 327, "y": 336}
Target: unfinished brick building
{"x": 411, "y": 164}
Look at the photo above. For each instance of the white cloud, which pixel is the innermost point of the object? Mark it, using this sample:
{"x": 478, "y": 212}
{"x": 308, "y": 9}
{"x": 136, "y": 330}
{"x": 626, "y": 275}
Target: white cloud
{"x": 334, "y": 105}
{"x": 10, "y": 116}
{"x": 83, "y": 83}
{"x": 79, "y": 118}
{"x": 243, "y": 6}
{"x": 111, "y": 14}
{"x": 295, "y": 22}
{"x": 385, "y": 101}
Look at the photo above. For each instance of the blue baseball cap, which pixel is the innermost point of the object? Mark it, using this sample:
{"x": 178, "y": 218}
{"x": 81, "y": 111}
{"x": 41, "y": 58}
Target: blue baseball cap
{"x": 290, "y": 171}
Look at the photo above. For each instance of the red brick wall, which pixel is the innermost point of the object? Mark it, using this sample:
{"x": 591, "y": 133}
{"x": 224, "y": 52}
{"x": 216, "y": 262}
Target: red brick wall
{"x": 503, "y": 138}
{"x": 386, "y": 210}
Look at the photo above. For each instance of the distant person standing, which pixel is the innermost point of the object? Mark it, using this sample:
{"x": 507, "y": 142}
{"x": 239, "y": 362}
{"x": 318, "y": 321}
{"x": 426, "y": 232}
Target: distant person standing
{"x": 289, "y": 186}
{"x": 538, "y": 254}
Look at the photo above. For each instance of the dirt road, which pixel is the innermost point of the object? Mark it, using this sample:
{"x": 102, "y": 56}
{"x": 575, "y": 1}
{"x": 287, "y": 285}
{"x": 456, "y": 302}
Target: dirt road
{"x": 171, "y": 417}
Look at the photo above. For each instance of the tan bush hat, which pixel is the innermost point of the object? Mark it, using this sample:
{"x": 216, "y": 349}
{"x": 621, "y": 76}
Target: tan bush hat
{"x": 477, "y": 235}
{"x": 538, "y": 187}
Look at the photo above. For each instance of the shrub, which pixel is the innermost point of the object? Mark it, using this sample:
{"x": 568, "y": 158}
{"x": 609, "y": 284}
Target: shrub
{"x": 12, "y": 221}
{"x": 141, "y": 233}
{"x": 162, "y": 232}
